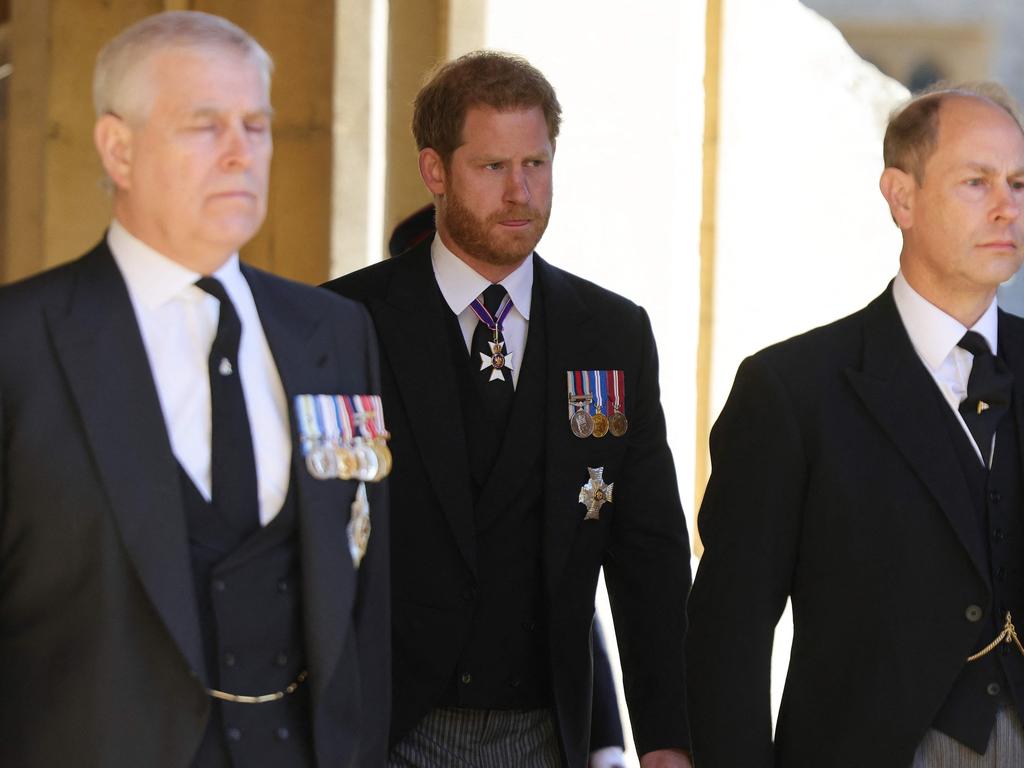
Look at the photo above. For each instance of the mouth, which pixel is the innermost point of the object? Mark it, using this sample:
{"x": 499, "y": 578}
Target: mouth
{"x": 999, "y": 245}
{"x": 516, "y": 223}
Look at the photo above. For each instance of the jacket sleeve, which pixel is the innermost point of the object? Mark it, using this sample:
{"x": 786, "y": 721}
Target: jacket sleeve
{"x": 749, "y": 523}
{"x": 647, "y": 566}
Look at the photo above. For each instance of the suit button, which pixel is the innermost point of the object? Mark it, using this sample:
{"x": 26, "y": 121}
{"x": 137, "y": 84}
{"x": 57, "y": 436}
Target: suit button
{"x": 282, "y": 586}
{"x": 515, "y": 682}
{"x": 469, "y": 594}
{"x": 993, "y": 689}
{"x": 974, "y": 613}
{"x": 998, "y": 534}
{"x": 281, "y": 659}
{"x": 234, "y": 734}
{"x": 1001, "y": 573}
{"x": 282, "y": 734}
{"x": 466, "y": 678}
{"x": 219, "y": 585}
{"x": 995, "y": 497}
{"x": 229, "y": 659}
{"x": 529, "y": 626}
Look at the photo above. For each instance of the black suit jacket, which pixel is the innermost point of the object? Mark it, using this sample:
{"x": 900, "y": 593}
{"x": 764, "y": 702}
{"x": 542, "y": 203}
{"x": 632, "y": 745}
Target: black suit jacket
{"x": 100, "y": 651}
{"x": 640, "y": 539}
{"x": 835, "y": 483}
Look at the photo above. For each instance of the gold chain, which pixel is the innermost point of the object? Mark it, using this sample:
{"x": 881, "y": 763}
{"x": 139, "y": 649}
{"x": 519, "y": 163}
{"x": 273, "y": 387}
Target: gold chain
{"x": 1008, "y": 635}
{"x": 265, "y": 698}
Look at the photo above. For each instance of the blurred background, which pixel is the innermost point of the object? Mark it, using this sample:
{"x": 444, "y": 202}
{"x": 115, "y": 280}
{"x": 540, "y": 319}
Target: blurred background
{"x": 718, "y": 162}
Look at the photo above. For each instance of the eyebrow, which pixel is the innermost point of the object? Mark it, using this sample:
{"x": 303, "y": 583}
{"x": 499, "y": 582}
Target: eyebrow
{"x": 988, "y": 170}
{"x": 267, "y": 112}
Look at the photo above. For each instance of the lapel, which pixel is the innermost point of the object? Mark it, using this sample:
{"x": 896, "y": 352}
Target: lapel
{"x": 411, "y": 323}
{"x": 302, "y": 345}
{"x": 572, "y": 344}
{"x": 891, "y": 385}
{"x": 98, "y": 344}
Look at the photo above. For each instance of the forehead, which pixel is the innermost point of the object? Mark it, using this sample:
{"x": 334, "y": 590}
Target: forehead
{"x": 207, "y": 78}
{"x": 514, "y": 129}
{"x": 975, "y": 131}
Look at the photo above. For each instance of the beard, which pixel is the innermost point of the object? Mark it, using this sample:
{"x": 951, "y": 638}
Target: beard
{"x": 482, "y": 238}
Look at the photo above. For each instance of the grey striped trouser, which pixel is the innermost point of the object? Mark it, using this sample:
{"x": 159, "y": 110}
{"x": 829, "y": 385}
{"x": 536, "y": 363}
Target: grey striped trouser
{"x": 480, "y": 738}
{"x": 1005, "y": 747}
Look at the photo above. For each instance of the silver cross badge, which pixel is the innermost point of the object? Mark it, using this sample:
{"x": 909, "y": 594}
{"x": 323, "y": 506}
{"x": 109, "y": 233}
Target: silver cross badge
{"x": 595, "y": 493}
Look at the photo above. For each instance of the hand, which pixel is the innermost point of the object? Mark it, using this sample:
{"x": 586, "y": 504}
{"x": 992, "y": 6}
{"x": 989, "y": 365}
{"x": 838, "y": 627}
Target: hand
{"x": 666, "y": 758}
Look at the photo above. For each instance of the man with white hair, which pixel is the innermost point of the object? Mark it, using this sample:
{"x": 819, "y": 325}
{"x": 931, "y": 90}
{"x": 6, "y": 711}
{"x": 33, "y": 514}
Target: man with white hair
{"x": 178, "y": 587}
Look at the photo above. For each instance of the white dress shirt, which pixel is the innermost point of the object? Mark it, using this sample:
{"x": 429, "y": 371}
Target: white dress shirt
{"x": 460, "y": 284}
{"x": 934, "y": 335}
{"x": 178, "y": 322}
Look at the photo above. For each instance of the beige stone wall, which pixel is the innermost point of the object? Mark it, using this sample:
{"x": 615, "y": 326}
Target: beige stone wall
{"x": 56, "y": 207}
{"x": 417, "y": 40}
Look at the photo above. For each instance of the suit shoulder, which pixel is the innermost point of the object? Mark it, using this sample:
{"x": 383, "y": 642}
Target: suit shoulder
{"x": 368, "y": 282}
{"x": 48, "y": 288}
{"x": 309, "y": 297}
{"x": 827, "y": 344}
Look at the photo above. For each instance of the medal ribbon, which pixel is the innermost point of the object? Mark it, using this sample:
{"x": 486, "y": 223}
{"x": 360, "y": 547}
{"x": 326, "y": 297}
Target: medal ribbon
{"x": 495, "y": 322}
{"x": 330, "y": 418}
{"x": 369, "y": 420}
{"x": 304, "y": 408}
{"x": 617, "y": 382}
{"x": 344, "y": 419}
{"x": 586, "y": 392}
{"x": 570, "y": 380}
{"x": 596, "y": 388}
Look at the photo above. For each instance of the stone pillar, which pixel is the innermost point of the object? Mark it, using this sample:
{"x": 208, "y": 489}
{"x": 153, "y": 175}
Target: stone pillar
{"x": 417, "y": 40}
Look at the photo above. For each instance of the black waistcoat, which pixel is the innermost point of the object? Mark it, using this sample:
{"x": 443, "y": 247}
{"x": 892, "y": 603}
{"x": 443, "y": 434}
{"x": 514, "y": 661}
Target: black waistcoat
{"x": 968, "y": 714}
{"x": 504, "y": 660}
{"x": 248, "y": 590}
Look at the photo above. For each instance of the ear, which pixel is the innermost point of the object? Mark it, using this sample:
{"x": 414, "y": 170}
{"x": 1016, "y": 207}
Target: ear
{"x": 898, "y": 188}
{"x": 432, "y": 171}
{"x": 113, "y": 138}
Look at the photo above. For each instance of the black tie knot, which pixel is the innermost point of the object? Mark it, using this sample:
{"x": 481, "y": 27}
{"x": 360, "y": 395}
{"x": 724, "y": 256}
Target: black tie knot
{"x": 493, "y": 295}
{"x": 974, "y": 343}
{"x": 213, "y": 287}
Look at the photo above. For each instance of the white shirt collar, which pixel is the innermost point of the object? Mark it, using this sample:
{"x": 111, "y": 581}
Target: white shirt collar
{"x": 933, "y": 333}
{"x": 152, "y": 278}
{"x": 460, "y": 283}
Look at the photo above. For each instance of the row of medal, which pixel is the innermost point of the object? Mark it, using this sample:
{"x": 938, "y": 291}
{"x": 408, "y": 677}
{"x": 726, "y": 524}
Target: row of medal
{"x": 344, "y": 437}
{"x": 590, "y": 393}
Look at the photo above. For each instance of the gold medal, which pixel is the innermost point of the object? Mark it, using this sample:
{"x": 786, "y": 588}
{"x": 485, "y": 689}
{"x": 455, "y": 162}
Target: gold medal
{"x": 347, "y": 464}
{"x": 618, "y": 424}
{"x": 384, "y": 461}
{"x": 600, "y": 424}
{"x": 581, "y": 424}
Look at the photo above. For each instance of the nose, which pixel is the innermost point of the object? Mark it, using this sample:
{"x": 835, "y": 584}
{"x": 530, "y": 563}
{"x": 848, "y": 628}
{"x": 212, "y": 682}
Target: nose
{"x": 517, "y": 187}
{"x": 1008, "y": 203}
{"x": 237, "y": 151}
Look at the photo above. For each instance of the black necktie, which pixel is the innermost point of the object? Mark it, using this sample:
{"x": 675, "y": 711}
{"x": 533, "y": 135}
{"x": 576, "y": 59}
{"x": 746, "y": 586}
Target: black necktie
{"x": 988, "y": 392}
{"x": 232, "y": 464}
{"x": 491, "y": 359}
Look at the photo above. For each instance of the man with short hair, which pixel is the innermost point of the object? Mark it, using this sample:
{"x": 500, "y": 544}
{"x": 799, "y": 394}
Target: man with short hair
{"x": 176, "y": 587}
{"x": 871, "y": 471}
{"x": 505, "y": 508}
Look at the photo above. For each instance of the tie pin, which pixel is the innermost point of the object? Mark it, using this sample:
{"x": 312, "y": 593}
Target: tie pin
{"x": 982, "y": 406}
{"x": 225, "y": 369}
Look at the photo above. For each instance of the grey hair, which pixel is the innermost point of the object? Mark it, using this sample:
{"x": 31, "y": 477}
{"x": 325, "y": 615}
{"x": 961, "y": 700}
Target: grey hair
{"x": 115, "y": 85}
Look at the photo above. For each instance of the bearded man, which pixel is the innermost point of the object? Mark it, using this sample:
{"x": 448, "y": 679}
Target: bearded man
{"x": 530, "y": 451}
